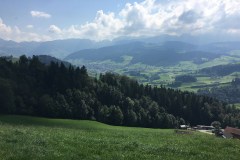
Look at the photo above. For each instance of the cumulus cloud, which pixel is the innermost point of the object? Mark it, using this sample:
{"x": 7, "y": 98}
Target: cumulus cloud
{"x": 104, "y": 26}
{"x": 4, "y": 29}
{"x": 54, "y": 29}
{"x": 14, "y": 33}
{"x": 39, "y": 14}
{"x": 150, "y": 18}
{"x": 28, "y": 36}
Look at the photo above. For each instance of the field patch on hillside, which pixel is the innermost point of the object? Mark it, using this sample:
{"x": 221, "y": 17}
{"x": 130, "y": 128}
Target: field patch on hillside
{"x": 24, "y": 137}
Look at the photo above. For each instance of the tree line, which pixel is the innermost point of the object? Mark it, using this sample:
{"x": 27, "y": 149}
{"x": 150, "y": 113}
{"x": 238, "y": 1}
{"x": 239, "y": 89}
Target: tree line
{"x": 29, "y": 87}
{"x": 228, "y": 93}
{"x": 221, "y": 70}
{"x": 180, "y": 79}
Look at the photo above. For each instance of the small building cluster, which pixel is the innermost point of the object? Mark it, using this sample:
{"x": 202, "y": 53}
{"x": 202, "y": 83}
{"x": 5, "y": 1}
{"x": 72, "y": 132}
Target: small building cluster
{"x": 230, "y": 132}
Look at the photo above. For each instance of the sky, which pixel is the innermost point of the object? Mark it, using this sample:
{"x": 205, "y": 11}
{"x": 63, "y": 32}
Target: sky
{"x": 44, "y": 20}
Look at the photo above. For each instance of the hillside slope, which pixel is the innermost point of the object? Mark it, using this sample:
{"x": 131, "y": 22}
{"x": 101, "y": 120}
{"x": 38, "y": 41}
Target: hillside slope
{"x": 40, "y": 138}
{"x": 156, "y": 54}
{"x": 221, "y": 70}
{"x": 32, "y": 88}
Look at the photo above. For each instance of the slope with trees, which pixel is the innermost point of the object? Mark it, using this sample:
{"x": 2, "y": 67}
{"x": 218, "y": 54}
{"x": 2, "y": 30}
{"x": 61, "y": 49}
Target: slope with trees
{"x": 31, "y": 88}
{"x": 229, "y": 93}
{"x": 221, "y": 70}
{"x": 165, "y": 54}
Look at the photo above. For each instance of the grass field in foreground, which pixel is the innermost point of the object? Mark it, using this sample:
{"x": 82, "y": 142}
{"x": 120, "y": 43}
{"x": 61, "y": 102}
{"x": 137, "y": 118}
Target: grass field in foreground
{"x": 24, "y": 138}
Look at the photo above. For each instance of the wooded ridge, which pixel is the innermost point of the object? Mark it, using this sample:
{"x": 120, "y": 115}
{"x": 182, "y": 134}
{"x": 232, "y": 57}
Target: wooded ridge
{"x": 30, "y": 87}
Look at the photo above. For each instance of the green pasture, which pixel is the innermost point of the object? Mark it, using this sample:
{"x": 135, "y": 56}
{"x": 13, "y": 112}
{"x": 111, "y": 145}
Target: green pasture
{"x": 23, "y": 137}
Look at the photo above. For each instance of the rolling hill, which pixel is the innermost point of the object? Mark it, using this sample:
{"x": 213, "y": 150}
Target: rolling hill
{"x": 8, "y": 48}
{"x": 156, "y": 54}
{"x": 56, "y": 48}
{"x": 45, "y": 59}
{"x": 221, "y": 70}
{"x": 141, "y": 58}
{"x": 23, "y": 137}
{"x": 157, "y": 62}
{"x": 160, "y": 49}
{"x": 61, "y": 48}
{"x": 221, "y": 47}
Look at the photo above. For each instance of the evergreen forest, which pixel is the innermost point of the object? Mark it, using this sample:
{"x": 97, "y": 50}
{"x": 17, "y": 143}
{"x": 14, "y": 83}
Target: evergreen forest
{"x": 30, "y": 87}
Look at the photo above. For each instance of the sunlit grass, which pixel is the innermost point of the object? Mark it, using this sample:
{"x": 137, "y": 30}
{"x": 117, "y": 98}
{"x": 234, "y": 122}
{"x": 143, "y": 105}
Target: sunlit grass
{"x": 237, "y": 105}
{"x": 24, "y": 138}
{"x": 219, "y": 61}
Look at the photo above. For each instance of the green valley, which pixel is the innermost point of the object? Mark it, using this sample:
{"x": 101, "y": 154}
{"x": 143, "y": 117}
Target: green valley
{"x": 120, "y": 80}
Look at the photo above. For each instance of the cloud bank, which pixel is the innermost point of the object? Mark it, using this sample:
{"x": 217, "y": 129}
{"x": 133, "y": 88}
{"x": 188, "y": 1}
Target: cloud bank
{"x": 151, "y": 18}
{"x": 14, "y": 33}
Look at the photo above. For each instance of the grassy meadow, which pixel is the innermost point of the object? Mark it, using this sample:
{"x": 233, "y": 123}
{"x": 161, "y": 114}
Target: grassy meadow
{"x": 237, "y": 105}
{"x": 23, "y": 137}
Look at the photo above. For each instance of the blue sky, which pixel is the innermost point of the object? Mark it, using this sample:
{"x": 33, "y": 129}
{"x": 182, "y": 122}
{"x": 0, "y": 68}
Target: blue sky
{"x": 41, "y": 20}
{"x": 63, "y": 12}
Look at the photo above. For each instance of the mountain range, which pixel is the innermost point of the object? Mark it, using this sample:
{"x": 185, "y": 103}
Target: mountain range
{"x": 156, "y": 54}
{"x": 56, "y": 48}
{"x": 148, "y": 60}
{"x": 156, "y": 51}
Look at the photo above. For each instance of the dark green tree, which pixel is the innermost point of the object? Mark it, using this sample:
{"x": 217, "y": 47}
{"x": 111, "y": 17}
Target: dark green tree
{"x": 115, "y": 115}
{"x": 7, "y": 98}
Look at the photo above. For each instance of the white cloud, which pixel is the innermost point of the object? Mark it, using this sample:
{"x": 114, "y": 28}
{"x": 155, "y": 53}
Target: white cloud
{"x": 14, "y": 33}
{"x": 150, "y": 18}
{"x": 54, "y": 29}
{"x": 104, "y": 26}
{"x": 29, "y": 36}
{"x": 29, "y": 26}
{"x": 40, "y": 14}
{"x": 4, "y": 29}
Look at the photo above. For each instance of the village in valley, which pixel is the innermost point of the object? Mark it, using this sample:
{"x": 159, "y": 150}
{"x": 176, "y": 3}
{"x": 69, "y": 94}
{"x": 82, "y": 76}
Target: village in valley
{"x": 213, "y": 129}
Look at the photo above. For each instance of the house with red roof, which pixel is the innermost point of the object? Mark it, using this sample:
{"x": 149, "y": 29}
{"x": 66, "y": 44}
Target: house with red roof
{"x": 230, "y": 132}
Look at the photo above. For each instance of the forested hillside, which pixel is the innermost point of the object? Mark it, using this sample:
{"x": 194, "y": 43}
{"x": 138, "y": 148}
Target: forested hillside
{"x": 229, "y": 93}
{"x": 31, "y": 88}
{"x": 221, "y": 70}
{"x": 165, "y": 54}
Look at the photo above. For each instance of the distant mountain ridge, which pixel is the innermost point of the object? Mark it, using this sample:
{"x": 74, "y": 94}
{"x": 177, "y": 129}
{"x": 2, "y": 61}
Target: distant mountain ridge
{"x": 56, "y": 48}
{"x": 156, "y": 54}
{"x": 157, "y": 51}
{"x": 221, "y": 70}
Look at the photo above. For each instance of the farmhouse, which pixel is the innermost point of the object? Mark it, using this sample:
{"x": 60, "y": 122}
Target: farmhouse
{"x": 230, "y": 132}
{"x": 184, "y": 126}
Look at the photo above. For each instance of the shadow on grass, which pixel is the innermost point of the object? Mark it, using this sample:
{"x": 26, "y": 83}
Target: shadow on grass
{"x": 60, "y": 123}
